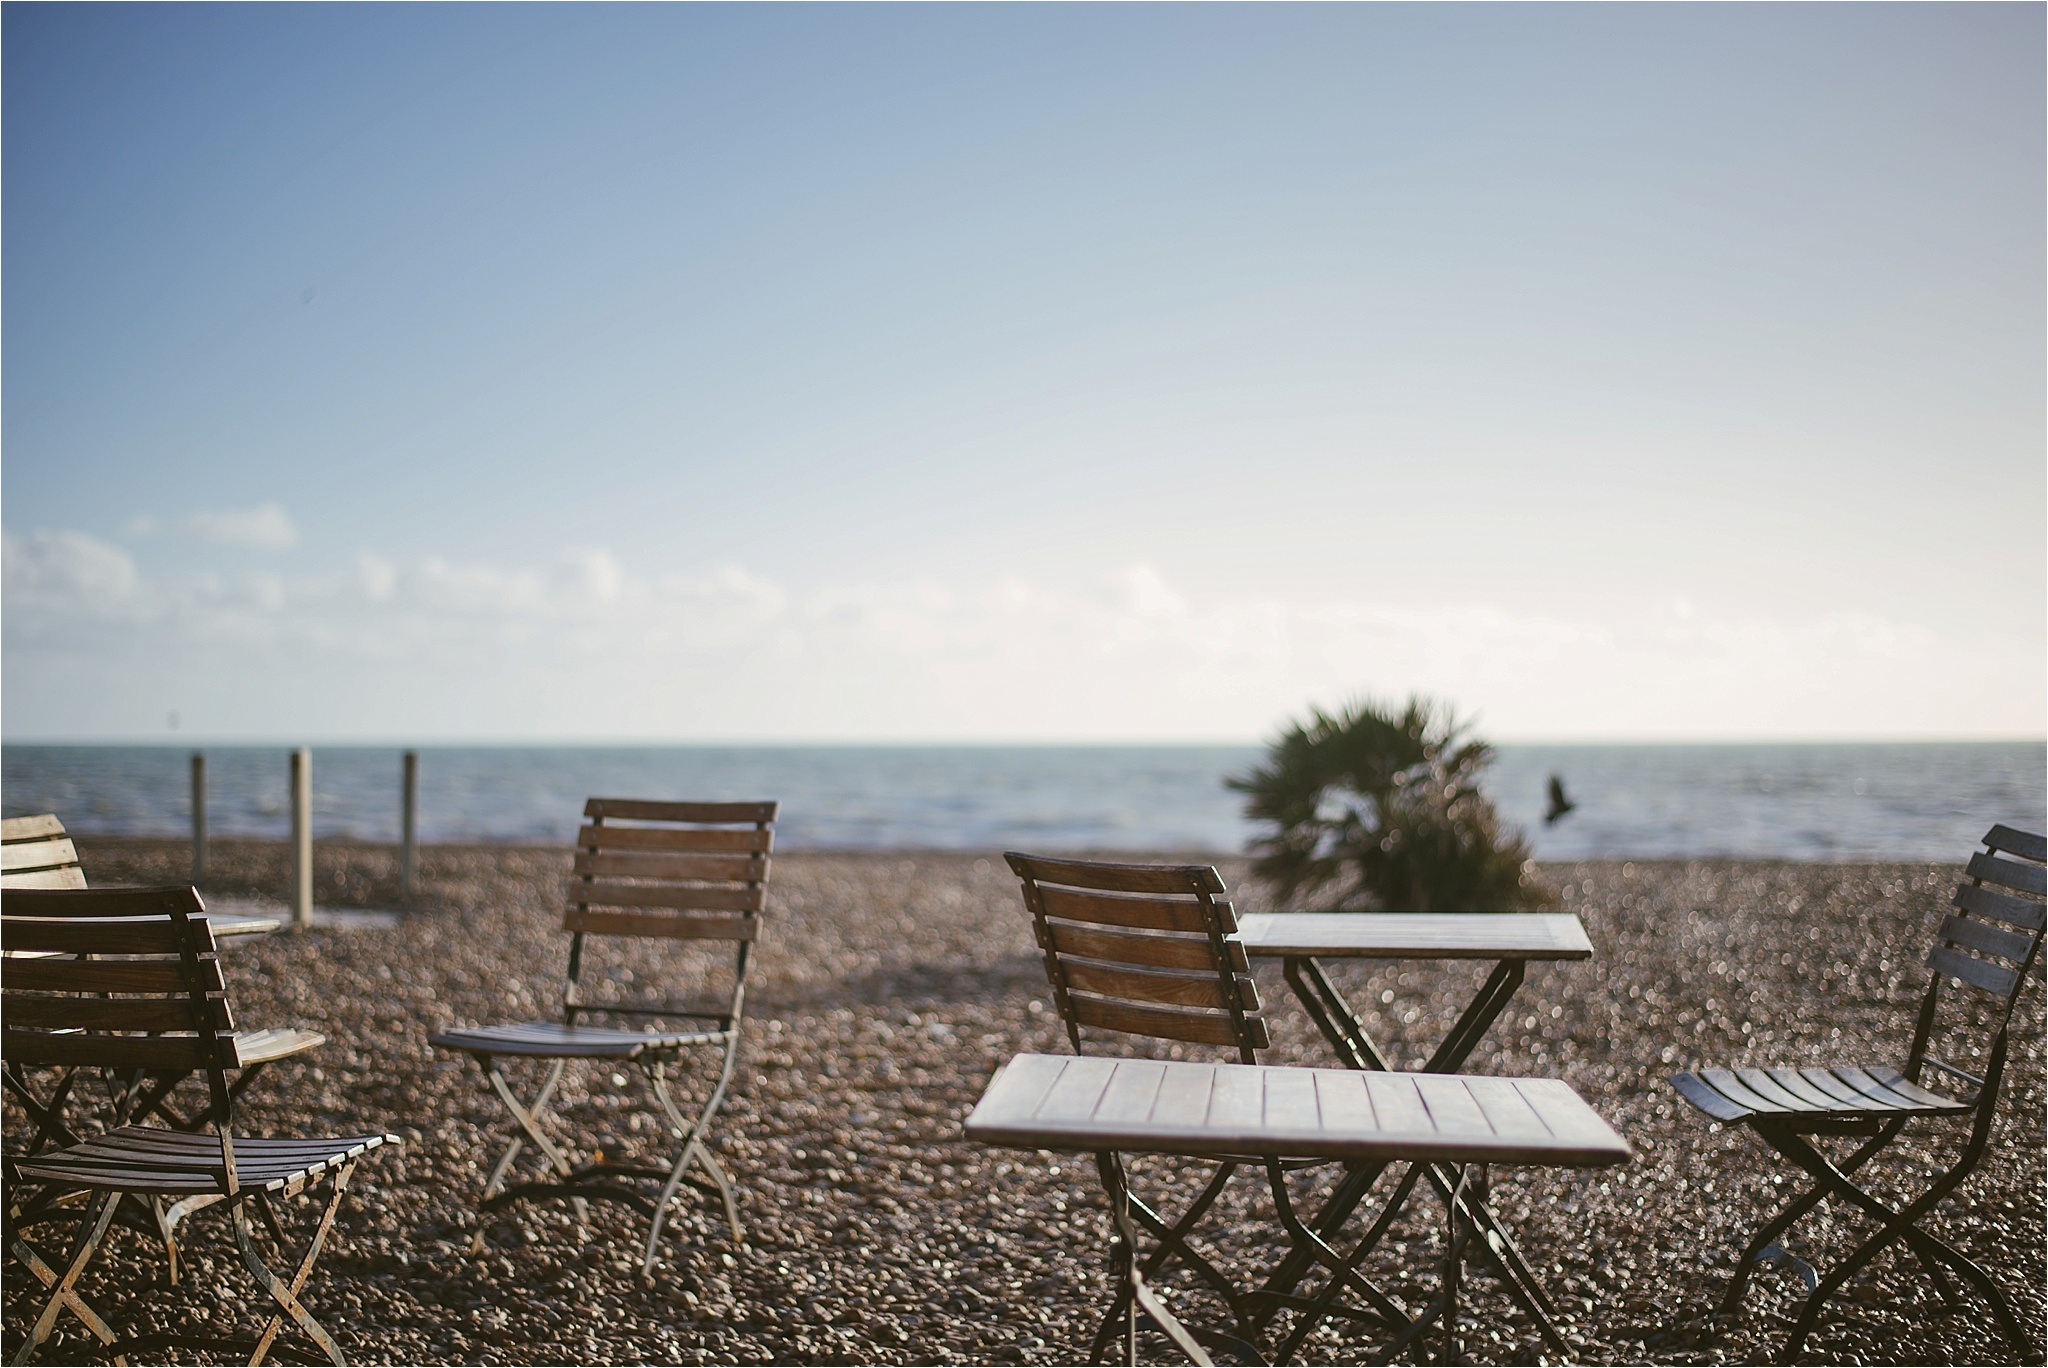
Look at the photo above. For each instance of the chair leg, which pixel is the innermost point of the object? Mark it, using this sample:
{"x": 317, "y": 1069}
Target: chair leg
{"x": 1170, "y": 1242}
{"x": 1896, "y": 1225}
{"x": 1134, "y": 1293}
{"x": 692, "y": 1135}
{"x": 287, "y": 1296}
{"x": 528, "y": 1116}
{"x": 64, "y": 1289}
{"x": 1793, "y": 1210}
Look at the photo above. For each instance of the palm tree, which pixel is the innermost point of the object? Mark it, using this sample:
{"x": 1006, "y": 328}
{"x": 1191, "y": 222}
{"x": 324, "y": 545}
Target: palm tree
{"x": 1377, "y": 809}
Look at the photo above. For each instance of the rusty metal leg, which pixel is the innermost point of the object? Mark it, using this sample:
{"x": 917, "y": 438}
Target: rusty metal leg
{"x": 1134, "y": 1292}
{"x": 64, "y": 1289}
{"x": 693, "y": 1151}
{"x": 528, "y": 1116}
{"x": 287, "y": 1296}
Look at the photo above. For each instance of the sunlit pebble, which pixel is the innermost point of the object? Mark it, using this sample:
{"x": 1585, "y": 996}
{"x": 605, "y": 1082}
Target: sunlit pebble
{"x": 836, "y": 1207}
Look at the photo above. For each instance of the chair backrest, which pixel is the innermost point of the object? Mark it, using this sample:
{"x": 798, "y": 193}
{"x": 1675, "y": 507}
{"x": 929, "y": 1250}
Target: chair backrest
{"x": 35, "y": 853}
{"x": 683, "y": 871}
{"x": 120, "y": 978}
{"x": 1992, "y": 943}
{"x": 1143, "y": 949}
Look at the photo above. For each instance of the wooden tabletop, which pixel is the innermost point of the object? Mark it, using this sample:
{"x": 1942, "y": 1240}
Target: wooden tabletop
{"x": 1074, "y": 1102}
{"x": 234, "y": 925}
{"x": 1416, "y": 935}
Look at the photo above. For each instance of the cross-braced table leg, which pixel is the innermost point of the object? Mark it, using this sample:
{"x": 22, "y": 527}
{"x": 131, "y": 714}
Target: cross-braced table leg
{"x": 1341, "y": 1027}
{"x": 1467, "y": 1193}
{"x": 1170, "y": 1242}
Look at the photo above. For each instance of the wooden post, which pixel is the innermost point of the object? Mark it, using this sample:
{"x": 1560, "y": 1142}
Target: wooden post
{"x": 302, "y": 837}
{"x": 409, "y": 850}
{"x": 198, "y": 818}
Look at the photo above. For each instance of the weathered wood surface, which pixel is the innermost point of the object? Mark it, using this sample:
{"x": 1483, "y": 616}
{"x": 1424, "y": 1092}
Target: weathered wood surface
{"x": 1073, "y": 1102}
{"x": 1415, "y": 935}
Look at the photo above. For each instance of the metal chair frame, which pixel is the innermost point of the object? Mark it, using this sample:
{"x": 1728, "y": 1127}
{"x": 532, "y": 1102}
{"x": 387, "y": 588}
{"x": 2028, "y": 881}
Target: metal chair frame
{"x": 67, "y": 1013}
{"x": 1879, "y": 1111}
{"x": 654, "y": 1054}
{"x": 1246, "y": 1035}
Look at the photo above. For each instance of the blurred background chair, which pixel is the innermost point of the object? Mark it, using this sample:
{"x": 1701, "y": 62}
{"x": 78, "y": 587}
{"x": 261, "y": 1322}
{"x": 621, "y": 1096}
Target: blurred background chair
{"x": 127, "y": 980}
{"x": 650, "y": 872}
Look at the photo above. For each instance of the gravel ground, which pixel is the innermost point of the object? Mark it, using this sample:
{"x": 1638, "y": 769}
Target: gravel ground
{"x": 892, "y": 985}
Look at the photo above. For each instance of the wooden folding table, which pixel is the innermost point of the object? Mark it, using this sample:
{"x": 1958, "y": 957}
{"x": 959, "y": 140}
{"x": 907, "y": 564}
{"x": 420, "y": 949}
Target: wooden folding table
{"x": 1512, "y": 940}
{"x": 1372, "y": 1118}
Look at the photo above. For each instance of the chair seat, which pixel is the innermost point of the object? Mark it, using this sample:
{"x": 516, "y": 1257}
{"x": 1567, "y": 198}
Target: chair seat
{"x": 1835, "y": 1093}
{"x": 553, "y": 1040}
{"x": 147, "y": 1159}
{"x": 261, "y": 1047}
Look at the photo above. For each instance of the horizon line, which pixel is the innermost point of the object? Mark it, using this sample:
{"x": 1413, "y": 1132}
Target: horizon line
{"x": 928, "y": 743}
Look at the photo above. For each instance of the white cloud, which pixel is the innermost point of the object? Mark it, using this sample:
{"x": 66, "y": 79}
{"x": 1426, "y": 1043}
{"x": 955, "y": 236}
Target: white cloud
{"x": 67, "y": 572}
{"x": 582, "y": 645}
{"x": 266, "y": 527}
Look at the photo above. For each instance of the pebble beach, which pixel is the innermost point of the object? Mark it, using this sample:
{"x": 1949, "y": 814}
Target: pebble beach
{"x": 888, "y": 989}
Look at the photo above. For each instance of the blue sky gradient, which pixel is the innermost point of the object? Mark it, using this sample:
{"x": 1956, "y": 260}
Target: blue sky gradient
{"x": 999, "y": 373}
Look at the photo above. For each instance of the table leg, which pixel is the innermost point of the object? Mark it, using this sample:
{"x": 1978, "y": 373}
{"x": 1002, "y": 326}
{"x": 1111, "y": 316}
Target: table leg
{"x": 1340, "y": 1025}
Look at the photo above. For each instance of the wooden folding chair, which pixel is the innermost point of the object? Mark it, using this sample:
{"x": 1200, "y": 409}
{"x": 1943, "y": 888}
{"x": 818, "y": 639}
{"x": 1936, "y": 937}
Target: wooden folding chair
{"x": 667, "y": 871}
{"x": 2000, "y": 918}
{"x": 127, "y": 979}
{"x": 35, "y": 852}
{"x": 1146, "y": 950}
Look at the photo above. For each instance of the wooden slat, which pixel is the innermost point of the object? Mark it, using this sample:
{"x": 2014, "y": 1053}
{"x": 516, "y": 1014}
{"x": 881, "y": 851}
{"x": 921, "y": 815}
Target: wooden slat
{"x": 1991, "y": 940}
{"x": 1862, "y": 1082}
{"x": 127, "y": 936}
{"x": 1132, "y": 1093}
{"x": 2026, "y": 844}
{"x": 275, "y": 1042}
{"x": 1151, "y": 914}
{"x": 680, "y": 926}
{"x": 1157, "y": 985}
{"x": 69, "y": 877}
{"x": 109, "y": 976}
{"x": 30, "y": 828}
{"x": 1824, "y": 1081}
{"x": 1992, "y": 978}
{"x": 110, "y": 1014}
{"x": 1197, "y": 1028}
{"x": 129, "y": 1052}
{"x": 1076, "y": 1090}
{"x": 1161, "y": 952}
{"x": 654, "y": 864}
{"x": 1290, "y": 1096}
{"x": 101, "y": 902}
{"x": 1397, "y": 1103}
{"x": 1507, "y": 1110}
{"x": 2026, "y": 878}
{"x": 1985, "y": 902}
{"x": 1761, "y": 1083}
{"x": 673, "y": 838}
{"x": 1696, "y": 1091}
{"x": 1794, "y": 1082}
{"x": 682, "y": 897}
{"x": 37, "y": 854}
{"x": 648, "y": 810}
{"x": 1905, "y": 1087}
{"x": 1116, "y": 878}
{"x": 1730, "y": 1087}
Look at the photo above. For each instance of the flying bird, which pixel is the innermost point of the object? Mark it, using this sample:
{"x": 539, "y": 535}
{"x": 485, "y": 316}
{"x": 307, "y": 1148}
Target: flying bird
{"x": 1559, "y": 804}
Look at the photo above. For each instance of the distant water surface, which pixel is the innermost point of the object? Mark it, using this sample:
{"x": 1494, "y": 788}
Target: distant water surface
{"x": 1809, "y": 802}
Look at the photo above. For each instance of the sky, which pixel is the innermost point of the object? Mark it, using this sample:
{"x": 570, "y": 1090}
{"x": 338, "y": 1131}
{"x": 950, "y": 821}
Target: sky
{"x": 1015, "y": 373}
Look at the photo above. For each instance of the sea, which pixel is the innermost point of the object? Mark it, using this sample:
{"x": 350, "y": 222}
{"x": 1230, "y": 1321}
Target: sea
{"x": 1802, "y": 802}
